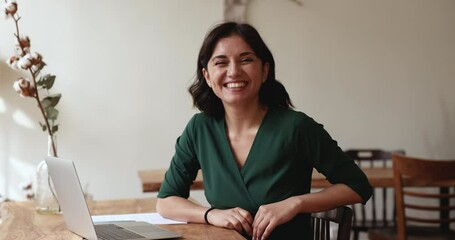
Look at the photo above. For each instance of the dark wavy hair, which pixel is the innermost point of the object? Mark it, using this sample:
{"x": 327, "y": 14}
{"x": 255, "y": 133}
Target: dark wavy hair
{"x": 272, "y": 93}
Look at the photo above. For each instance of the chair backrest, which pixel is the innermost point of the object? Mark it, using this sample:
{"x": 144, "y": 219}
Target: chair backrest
{"x": 321, "y": 223}
{"x": 372, "y": 157}
{"x": 410, "y": 172}
{"x": 376, "y": 209}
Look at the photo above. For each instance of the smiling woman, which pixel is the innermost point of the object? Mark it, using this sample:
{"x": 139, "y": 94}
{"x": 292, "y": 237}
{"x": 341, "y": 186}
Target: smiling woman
{"x": 235, "y": 73}
{"x": 256, "y": 153}
{"x": 124, "y": 67}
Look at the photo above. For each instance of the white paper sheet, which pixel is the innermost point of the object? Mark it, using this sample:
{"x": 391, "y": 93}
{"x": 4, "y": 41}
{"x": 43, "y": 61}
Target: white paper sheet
{"x": 153, "y": 218}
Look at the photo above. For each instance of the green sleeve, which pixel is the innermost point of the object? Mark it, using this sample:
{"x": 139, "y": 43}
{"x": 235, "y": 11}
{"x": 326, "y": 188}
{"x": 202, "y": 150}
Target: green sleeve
{"x": 184, "y": 166}
{"x": 330, "y": 160}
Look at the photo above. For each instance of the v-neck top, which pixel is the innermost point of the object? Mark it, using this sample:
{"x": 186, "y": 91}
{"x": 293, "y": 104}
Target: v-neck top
{"x": 287, "y": 146}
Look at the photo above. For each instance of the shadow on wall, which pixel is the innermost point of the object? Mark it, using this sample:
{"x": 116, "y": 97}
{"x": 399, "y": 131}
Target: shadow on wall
{"x": 446, "y": 141}
{"x": 18, "y": 131}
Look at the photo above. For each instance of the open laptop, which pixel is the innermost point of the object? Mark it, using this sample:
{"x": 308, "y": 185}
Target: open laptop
{"x": 77, "y": 215}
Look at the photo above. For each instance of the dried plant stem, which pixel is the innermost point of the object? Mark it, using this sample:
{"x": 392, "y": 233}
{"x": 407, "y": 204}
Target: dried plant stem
{"x": 36, "y": 95}
{"x": 46, "y": 121}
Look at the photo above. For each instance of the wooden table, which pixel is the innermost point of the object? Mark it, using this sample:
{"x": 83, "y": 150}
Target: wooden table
{"x": 21, "y": 221}
{"x": 378, "y": 177}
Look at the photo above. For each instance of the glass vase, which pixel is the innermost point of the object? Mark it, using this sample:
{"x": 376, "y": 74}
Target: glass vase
{"x": 46, "y": 201}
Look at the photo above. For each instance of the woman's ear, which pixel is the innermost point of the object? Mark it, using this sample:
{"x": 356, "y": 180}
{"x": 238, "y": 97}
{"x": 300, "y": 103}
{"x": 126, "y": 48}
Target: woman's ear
{"x": 265, "y": 72}
{"x": 207, "y": 77}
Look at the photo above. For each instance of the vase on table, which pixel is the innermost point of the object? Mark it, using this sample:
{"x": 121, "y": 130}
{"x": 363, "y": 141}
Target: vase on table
{"x": 46, "y": 201}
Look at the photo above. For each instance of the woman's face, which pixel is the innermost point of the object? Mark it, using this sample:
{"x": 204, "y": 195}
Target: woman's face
{"x": 234, "y": 72}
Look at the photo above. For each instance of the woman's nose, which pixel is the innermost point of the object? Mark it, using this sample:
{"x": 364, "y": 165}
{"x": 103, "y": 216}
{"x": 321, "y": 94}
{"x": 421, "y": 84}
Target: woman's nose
{"x": 234, "y": 70}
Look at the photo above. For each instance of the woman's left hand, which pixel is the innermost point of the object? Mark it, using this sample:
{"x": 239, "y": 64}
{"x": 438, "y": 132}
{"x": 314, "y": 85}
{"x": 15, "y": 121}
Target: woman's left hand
{"x": 271, "y": 215}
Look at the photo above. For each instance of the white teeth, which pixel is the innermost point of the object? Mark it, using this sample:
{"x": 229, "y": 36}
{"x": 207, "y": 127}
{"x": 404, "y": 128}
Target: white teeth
{"x": 235, "y": 85}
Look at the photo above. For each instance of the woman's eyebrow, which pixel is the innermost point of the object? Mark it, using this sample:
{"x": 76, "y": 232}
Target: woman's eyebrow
{"x": 241, "y": 55}
{"x": 247, "y": 53}
{"x": 219, "y": 56}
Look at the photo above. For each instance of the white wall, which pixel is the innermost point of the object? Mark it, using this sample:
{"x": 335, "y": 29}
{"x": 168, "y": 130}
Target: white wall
{"x": 375, "y": 73}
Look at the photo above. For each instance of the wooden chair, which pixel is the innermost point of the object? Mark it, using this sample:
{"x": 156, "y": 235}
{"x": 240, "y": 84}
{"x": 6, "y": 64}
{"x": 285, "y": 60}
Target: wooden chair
{"x": 416, "y": 204}
{"x": 378, "y": 212}
{"x": 321, "y": 222}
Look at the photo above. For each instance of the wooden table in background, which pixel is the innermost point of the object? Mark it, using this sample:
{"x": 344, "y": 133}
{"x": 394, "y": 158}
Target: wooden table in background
{"x": 21, "y": 221}
{"x": 379, "y": 177}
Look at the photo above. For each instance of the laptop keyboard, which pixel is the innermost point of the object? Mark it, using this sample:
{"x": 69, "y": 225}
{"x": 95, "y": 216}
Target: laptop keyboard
{"x": 114, "y": 232}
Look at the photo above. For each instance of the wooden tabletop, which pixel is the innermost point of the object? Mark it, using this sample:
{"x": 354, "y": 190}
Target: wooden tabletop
{"x": 378, "y": 177}
{"x": 21, "y": 221}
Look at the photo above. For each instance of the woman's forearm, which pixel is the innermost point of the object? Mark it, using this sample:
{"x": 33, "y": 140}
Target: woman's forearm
{"x": 180, "y": 209}
{"x": 326, "y": 199}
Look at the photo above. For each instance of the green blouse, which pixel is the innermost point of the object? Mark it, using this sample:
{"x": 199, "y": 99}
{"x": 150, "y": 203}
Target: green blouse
{"x": 288, "y": 145}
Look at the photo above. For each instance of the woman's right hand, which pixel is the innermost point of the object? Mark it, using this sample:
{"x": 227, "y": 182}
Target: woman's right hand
{"x": 235, "y": 218}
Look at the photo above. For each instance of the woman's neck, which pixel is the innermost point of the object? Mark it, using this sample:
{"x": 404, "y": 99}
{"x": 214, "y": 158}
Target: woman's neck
{"x": 239, "y": 119}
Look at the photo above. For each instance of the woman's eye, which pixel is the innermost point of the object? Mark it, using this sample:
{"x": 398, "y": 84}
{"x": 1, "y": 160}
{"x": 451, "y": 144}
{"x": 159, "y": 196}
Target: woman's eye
{"x": 218, "y": 63}
{"x": 246, "y": 60}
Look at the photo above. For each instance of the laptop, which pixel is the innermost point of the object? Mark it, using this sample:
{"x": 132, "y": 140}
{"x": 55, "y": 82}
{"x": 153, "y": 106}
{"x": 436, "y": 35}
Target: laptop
{"x": 77, "y": 215}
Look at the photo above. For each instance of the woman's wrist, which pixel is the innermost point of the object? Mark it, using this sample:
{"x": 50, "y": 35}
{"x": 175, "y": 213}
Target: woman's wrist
{"x": 206, "y": 215}
{"x": 297, "y": 203}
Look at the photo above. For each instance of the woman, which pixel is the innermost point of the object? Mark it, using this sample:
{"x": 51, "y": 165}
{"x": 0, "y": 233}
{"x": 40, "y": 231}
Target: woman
{"x": 256, "y": 153}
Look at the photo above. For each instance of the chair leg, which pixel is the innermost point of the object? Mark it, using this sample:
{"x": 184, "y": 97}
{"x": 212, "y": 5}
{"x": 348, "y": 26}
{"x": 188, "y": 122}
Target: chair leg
{"x": 356, "y": 235}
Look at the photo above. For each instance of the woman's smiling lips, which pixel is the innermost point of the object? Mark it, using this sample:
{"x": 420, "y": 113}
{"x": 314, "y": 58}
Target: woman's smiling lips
{"x": 232, "y": 85}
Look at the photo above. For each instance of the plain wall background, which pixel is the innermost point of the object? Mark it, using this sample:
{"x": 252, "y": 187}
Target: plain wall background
{"x": 375, "y": 73}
